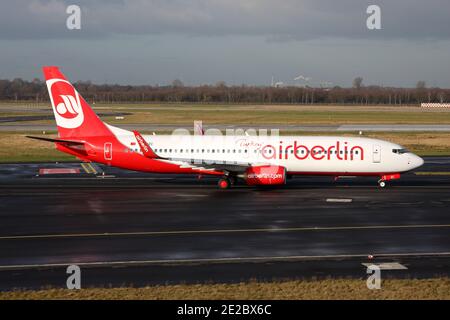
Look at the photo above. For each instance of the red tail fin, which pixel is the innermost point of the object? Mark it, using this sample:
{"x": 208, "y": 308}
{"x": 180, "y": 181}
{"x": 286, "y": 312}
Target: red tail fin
{"x": 74, "y": 117}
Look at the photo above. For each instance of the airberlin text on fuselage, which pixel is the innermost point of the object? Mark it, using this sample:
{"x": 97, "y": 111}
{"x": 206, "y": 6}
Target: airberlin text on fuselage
{"x": 301, "y": 152}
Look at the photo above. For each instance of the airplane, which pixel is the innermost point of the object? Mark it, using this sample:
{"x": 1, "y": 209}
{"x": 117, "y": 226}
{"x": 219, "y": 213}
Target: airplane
{"x": 258, "y": 160}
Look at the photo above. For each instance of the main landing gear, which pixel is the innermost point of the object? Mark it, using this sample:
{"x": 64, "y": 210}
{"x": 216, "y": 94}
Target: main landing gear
{"x": 226, "y": 182}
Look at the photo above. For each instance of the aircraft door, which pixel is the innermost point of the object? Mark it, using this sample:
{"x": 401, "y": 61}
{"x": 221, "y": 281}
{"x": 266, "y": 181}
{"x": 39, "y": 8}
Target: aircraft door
{"x": 108, "y": 151}
{"x": 376, "y": 153}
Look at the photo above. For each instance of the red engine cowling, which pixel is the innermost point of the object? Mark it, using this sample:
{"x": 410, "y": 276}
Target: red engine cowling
{"x": 265, "y": 175}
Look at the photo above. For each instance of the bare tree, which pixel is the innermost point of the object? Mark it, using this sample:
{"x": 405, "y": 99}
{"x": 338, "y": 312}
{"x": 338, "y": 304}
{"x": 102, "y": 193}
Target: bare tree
{"x": 357, "y": 82}
{"x": 177, "y": 83}
{"x": 221, "y": 84}
{"x": 36, "y": 90}
{"x": 421, "y": 84}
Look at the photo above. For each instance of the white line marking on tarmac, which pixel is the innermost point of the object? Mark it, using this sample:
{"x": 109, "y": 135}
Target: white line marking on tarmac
{"x": 387, "y": 265}
{"x": 219, "y": 260}
{"x": 342, "y": 200}
{"x": 214, "y": 231}
{"x": 182, "y": 195}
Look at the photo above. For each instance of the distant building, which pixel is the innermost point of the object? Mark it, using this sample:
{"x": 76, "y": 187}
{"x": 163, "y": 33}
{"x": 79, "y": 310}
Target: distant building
{"x": 435, "y": 105}
{"x": 278, "y": 84}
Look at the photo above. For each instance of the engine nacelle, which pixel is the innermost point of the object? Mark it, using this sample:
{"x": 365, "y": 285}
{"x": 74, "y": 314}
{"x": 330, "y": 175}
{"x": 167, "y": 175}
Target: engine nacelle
{"x": 265, "y": 175}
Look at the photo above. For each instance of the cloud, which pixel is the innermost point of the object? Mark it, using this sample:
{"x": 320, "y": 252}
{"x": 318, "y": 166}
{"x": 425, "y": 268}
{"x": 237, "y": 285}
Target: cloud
{"x": 277, "y": 20}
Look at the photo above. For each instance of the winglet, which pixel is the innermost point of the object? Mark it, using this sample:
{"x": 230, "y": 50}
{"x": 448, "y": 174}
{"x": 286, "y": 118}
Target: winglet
{"x": 145, "y": 148}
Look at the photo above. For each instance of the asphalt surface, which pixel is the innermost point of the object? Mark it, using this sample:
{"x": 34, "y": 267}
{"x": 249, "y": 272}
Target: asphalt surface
{"x": 9, "y": 126}
{"x": 138, "y": 229}
{"x": 50, "y": 117}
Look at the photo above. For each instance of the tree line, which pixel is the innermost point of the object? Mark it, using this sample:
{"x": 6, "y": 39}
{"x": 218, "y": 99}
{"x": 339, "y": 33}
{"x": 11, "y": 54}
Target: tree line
{"x": 36, "y": 91}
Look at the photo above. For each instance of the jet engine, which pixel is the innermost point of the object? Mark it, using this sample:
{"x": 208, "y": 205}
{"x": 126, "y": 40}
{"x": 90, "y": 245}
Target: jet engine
{"x": 265, "y": 175}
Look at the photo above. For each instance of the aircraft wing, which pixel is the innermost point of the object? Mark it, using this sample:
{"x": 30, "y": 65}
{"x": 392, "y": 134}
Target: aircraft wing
{"x": 197, "y": 164}
{"x": 236, "y": 167}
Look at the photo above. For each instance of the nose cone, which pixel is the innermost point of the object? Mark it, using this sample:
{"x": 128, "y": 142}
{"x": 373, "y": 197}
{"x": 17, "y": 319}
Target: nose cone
{"x": 416, "y": 161}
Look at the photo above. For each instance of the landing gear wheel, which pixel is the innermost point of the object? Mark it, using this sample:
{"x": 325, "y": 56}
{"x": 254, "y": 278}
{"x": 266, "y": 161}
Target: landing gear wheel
{"x": 224, "y": 183}
{"x": 382, "y": 184}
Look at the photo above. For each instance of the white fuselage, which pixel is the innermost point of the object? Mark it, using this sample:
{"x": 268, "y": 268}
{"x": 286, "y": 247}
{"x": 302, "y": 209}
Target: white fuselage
{"x": 298, "y": 154}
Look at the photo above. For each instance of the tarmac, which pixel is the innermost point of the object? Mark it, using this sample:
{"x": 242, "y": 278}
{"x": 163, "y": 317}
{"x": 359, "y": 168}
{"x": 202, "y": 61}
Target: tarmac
{"x": 128, "y": 228}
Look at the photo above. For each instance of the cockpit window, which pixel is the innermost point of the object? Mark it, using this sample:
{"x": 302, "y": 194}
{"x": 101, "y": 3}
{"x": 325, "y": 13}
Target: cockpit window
{"x": 400, "y": 151}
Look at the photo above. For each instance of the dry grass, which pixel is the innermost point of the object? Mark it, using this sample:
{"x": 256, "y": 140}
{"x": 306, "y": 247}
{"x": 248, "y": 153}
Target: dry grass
{"x": 319, "y": 289}
{"x": 421, "y": 143}
{"x": 264, "y": 107}
{"x": 300, "y": 116}
{"x": 435, "y": 173}
{"x": 15, "y": 147}
{"x": 266, "y": 114}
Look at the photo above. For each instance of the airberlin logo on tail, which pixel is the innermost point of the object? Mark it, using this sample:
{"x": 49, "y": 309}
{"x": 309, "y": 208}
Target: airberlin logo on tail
{"x": 66, "y": 103}
{"x": 141, "y": 143}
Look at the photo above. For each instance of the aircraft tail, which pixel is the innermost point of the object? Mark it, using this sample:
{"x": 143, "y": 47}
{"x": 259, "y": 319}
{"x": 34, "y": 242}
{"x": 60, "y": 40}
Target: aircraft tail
{"x": 74, "y": 117}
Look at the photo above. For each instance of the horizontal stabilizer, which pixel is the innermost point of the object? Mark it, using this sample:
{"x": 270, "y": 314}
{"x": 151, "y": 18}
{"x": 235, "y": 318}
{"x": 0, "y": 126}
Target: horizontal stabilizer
{"x": 70, "y": 142}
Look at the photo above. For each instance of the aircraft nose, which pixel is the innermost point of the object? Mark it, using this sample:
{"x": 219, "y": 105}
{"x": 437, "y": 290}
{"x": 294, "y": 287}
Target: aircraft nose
{"x": 416, "y": 161}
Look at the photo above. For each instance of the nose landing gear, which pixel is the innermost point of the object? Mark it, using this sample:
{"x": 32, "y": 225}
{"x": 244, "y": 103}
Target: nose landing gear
{"x": 387, "y": 177}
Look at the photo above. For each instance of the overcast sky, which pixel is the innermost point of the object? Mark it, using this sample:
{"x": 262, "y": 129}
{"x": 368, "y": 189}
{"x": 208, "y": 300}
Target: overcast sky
{"x": 237, "y": 41}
